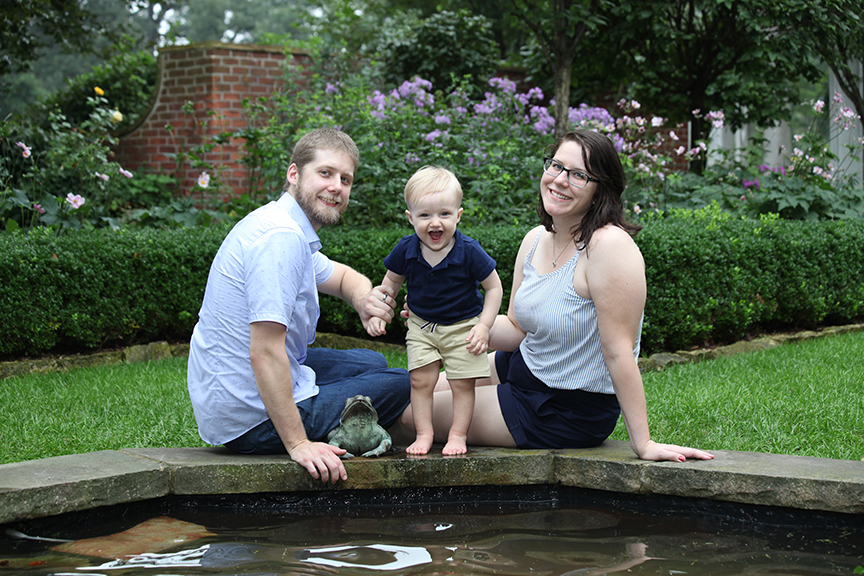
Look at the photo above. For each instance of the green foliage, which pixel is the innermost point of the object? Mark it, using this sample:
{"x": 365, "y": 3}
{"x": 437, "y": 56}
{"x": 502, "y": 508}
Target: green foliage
{"x": 712, "y": 278}
{"x": 750, "y": 193}
{"x": 28, "y": 25}
{"x": 706, "y": 55}
{"x": 127, "y": 80}
{"x": 494, "y": 145}
{"x": 446, "y": 45}
{"x": 101, "y": 287}
{"x": 43, "y": 171}
{"x": 810, "y": 184}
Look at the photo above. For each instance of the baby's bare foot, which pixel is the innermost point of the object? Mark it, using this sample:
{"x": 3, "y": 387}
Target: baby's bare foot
{"x": 420, "y": 446}
{"x": 455, "y": 445}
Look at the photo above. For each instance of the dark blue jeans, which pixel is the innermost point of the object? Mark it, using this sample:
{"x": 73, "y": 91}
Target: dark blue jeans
{"x": 340, "y": 374}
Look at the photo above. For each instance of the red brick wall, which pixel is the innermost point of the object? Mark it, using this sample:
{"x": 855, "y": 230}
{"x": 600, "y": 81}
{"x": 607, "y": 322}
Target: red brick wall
{"x": 214, "y": 78}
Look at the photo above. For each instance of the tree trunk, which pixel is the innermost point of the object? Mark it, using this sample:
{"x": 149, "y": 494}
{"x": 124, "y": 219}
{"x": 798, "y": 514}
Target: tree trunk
{"x": 563, "y": 73}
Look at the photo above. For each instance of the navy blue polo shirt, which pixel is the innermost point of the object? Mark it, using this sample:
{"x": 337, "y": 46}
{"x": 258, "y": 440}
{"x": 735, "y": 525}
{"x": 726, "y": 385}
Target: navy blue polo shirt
{"x": 448, "y": 292}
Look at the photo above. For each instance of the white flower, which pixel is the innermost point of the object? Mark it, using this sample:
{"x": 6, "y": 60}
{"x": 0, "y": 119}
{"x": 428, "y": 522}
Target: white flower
{"x": 75, "y": 200}
{"x": 204, "y": 180}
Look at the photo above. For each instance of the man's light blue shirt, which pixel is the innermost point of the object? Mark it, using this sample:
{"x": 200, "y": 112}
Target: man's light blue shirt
{"x": 267, "y": 270}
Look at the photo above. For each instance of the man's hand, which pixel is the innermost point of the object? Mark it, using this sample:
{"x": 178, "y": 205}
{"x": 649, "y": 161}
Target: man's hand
{"x": 379, "y": 303}
{"x": 320, "y": 460}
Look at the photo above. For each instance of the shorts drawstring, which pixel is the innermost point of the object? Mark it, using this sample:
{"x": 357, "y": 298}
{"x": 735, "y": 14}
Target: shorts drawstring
{"x": 431, "y": 325}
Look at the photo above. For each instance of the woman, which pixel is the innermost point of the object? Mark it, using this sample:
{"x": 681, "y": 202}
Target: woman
{"x": 569, "y": 344}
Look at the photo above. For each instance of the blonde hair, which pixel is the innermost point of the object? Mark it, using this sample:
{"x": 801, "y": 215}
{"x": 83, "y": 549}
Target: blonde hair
{"x": 431, "y": 179}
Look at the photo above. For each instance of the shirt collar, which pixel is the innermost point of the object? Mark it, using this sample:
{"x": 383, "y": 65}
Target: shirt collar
{"x": 289, "y": 204}
{"x": 455, "y": 256}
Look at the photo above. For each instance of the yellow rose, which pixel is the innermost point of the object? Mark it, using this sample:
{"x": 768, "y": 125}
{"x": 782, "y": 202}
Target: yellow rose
{"x": 116, "y": 116}
{"x": 99, "y": 91}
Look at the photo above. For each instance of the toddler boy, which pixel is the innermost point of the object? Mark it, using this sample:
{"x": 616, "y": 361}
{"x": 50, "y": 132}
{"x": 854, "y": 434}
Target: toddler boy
{"x": 443, "y": 268}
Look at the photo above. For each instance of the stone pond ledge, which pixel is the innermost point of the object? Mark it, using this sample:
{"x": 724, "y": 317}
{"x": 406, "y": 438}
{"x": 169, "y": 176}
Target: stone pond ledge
{"x": 63, "y": 484}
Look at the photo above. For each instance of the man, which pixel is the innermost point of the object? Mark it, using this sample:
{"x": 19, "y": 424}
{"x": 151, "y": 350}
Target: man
{"x": 254, "y": 385}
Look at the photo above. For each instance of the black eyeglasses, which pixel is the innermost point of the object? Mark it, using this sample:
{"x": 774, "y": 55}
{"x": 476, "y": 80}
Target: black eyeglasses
{"x": 576, "y": 178}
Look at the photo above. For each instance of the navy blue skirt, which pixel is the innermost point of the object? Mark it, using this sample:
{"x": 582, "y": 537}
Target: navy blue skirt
{"x": 543, "y": 417}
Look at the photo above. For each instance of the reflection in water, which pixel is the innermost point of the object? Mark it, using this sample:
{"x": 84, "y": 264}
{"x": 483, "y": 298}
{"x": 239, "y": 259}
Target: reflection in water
{"x": 564, "y": 542}
{"x": 372, "y": 557}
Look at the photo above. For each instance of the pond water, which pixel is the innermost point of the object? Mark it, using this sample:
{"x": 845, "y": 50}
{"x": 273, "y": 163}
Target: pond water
{"x": 504, "y": 531}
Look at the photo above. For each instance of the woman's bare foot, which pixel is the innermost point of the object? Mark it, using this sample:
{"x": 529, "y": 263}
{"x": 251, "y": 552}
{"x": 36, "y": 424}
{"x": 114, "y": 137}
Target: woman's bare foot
{"x": 455, "y": 445}
{"x": 421, "y": 445}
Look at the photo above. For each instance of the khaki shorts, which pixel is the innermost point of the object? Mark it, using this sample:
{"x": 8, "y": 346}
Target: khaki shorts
{"x": 429, "y": 342}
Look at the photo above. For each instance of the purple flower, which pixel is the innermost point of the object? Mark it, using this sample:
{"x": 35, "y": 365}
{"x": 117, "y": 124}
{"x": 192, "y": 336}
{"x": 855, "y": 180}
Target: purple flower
{"x": 411, "y": 158}
{"x": 442, "y": 119}
{"x": 503, "y": 84}
{"x": 535, "y": 94}
{"x": 751, "y": 184}
{"x": 433, "y": 135}
{"x": 331, "y": 88}
{"x": 592, "y": 117}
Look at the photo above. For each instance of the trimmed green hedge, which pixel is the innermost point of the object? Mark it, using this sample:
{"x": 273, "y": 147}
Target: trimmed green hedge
{"x": 709, "y": 281}
{"x": 85, "y": 290}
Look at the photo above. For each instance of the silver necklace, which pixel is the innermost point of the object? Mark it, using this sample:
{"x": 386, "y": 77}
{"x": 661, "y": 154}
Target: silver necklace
{"x": 555, "y": 260}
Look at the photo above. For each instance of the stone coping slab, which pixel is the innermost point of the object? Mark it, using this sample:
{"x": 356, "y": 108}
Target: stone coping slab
{"x": 52, "y": 486}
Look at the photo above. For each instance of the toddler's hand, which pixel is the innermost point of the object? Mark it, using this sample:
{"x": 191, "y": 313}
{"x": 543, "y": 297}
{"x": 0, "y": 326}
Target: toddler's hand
{"x": 478, "y": 340}
{"x": 376, "y": 327}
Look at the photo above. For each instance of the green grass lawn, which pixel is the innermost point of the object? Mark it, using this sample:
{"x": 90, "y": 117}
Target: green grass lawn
{"x": 800, "y": 398}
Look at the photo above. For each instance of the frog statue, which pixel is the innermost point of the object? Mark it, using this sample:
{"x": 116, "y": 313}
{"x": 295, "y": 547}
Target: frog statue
{"x": 358, "y": 431}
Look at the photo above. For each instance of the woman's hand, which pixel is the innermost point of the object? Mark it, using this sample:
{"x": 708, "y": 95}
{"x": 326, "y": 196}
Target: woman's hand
{"x": 654, "y": 451}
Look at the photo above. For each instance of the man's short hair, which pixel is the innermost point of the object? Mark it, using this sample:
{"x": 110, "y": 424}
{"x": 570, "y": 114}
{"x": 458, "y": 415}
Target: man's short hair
{"x": 322, "y": 139}
{"x": 430, "y": 179}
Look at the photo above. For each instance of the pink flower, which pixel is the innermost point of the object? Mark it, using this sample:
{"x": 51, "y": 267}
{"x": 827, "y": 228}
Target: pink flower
{"x": 716, "y": 117}
{"x": 104, "y": 177}
{"x": 818, "y": 106}
{"x": 126, "y": 173}
{"x": 75, "y": 200}
{"x": 38, "y": 208}
{"x": 25, "y": 150}
{"x": 204, "y": 180}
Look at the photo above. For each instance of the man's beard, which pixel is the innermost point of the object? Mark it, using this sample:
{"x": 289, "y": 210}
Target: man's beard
{"x": 317, "y": 214}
